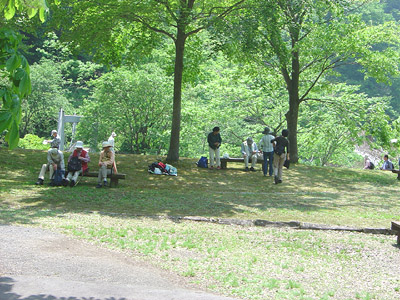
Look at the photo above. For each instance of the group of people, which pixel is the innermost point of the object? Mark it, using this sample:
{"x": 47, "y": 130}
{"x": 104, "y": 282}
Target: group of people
{"x": 386, "y": 166}
{"x": 275, "y": 151}
{"x": 77, "y": 163}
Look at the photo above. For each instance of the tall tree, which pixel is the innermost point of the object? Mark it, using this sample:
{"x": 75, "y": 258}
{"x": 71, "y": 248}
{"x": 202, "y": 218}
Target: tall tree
{"x": 304, "y": 40}
{"x": 103, "y": 24}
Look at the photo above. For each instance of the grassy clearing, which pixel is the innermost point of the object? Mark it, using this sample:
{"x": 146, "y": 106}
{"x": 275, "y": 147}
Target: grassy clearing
{"x": 250, "y": 263}
{"x": 320, "y": 195}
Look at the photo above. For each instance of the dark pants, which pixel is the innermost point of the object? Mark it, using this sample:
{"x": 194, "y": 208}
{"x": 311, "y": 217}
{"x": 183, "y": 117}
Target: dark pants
{"x": 268, "y": 160}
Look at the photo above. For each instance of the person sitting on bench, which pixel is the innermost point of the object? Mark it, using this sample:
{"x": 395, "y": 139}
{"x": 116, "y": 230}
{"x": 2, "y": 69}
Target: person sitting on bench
{"x": 77, "y": 164}
{"x": 249, "y": 150}
{"x": 106, "y": 163}
{"x": 55, "y": 160}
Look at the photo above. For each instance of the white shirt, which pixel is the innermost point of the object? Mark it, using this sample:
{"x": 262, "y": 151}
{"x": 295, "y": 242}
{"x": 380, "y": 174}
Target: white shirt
{"x": 265, "y": 143}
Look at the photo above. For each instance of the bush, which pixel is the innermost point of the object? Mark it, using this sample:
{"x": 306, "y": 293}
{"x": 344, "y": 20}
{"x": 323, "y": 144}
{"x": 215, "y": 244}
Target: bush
{"x": 31, "y": 141}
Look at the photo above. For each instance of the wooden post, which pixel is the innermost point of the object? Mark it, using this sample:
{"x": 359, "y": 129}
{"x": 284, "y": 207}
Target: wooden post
{"x": 396, "y": 227}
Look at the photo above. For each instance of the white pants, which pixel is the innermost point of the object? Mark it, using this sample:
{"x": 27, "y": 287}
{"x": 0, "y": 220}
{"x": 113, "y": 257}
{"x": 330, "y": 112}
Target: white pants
{"x": 103, "y": 172}
{"x": 45, "y": 168}
{"x": 253, "y": 160}
{"x": 74, "y": 175}
{"x": 214, "y": 152}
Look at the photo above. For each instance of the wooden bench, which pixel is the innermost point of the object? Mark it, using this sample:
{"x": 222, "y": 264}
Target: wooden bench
{"x": 398, "y": 173}
{"x": 396, "y": 227}
{"x": 224, "y": 161}
{"x": 114, "y": 177}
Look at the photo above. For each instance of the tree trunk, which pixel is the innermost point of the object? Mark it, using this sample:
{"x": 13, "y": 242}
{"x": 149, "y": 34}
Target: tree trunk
{"x": 173, "y": 152}
{"x": 294, "y": 102}
{"x": 291, "y": 119}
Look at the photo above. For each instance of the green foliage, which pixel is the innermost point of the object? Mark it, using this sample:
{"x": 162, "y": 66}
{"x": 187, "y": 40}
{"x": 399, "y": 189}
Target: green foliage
{"x": 14, "y": 68}
{"x": 171, "y": 19}
{"x": 76, "y": 72}
{"x": 15, "y": 84}
{"x": 228, "y": 97}
{"x": 134, "y": 104}
{"x": 294, "y": 38}
{"x": 40, "y": 109}
{"x": 30, "y": 7}
{"x": 345, "y": 118}
{"x": 31, "y": 141}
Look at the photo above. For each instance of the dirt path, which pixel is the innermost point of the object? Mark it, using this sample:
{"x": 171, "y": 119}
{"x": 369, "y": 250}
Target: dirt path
{"x": 37, "y": 264}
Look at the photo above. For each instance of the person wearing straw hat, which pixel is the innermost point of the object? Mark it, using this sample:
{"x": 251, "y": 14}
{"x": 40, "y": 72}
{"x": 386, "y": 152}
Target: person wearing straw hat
{"x": 81, "y": 157}
{"x": 106, "y": 163}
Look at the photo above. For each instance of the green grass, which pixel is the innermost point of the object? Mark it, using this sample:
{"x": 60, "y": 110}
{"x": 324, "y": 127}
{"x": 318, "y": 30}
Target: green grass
{"x": 246, "y": 262}
{"x": 319, "y": 195}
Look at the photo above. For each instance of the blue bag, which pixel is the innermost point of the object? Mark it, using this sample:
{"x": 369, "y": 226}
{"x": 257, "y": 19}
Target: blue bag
{"x": 58, "y": 177}
{"x": 203, "y": 162}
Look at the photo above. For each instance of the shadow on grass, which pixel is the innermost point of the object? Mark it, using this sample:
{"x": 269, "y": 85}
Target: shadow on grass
{"x": 226, "y": 193}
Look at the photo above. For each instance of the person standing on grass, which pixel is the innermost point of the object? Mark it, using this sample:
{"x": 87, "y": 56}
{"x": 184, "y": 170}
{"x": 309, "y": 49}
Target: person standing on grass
{"x": 249, "y": 150}
{"x": 56, "y": 141}
{"x": 214, "y": 142}
{"x": 268, "y": 151}
{"x": 280, "y": 149}
{"x": 106, "y": 163}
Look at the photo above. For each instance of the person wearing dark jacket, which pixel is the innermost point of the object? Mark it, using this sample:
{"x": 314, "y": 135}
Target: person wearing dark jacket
{"x": 281, "y": 153}
{"x": 214, "y": 142}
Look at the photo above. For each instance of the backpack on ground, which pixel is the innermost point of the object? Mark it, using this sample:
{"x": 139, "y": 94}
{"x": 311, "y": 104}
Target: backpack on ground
{"x": 203, "y": 162}
{"x": 371, "y": 165}
{"x": 75, "y": 164}
{"x": 57, "y": 178}
{"x": 157, "y": 168}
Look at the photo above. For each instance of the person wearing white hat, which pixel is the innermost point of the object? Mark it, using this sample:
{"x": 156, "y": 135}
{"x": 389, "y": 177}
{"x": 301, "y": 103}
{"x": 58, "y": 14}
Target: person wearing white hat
{"x": 55, "y": 160}
{"x": 106, "y": 163}
{"x": 77, "y": 164}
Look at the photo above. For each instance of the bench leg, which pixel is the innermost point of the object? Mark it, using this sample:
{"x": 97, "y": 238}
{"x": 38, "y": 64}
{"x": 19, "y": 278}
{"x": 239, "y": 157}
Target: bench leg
{"x": 398, "y": 239}
{"x": 223, "y": 164}
{"x": 114, "y": 182}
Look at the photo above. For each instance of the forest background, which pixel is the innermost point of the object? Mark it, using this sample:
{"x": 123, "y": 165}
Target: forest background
{"x": 124, "y": 84}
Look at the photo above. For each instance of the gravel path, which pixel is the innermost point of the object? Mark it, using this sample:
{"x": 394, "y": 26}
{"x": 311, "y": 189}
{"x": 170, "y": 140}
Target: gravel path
{"x": 37, "y": 264}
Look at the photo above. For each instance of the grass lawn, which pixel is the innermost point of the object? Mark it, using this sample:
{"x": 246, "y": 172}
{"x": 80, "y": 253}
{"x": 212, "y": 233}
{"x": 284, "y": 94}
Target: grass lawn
{"x": 246, "y": 262}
